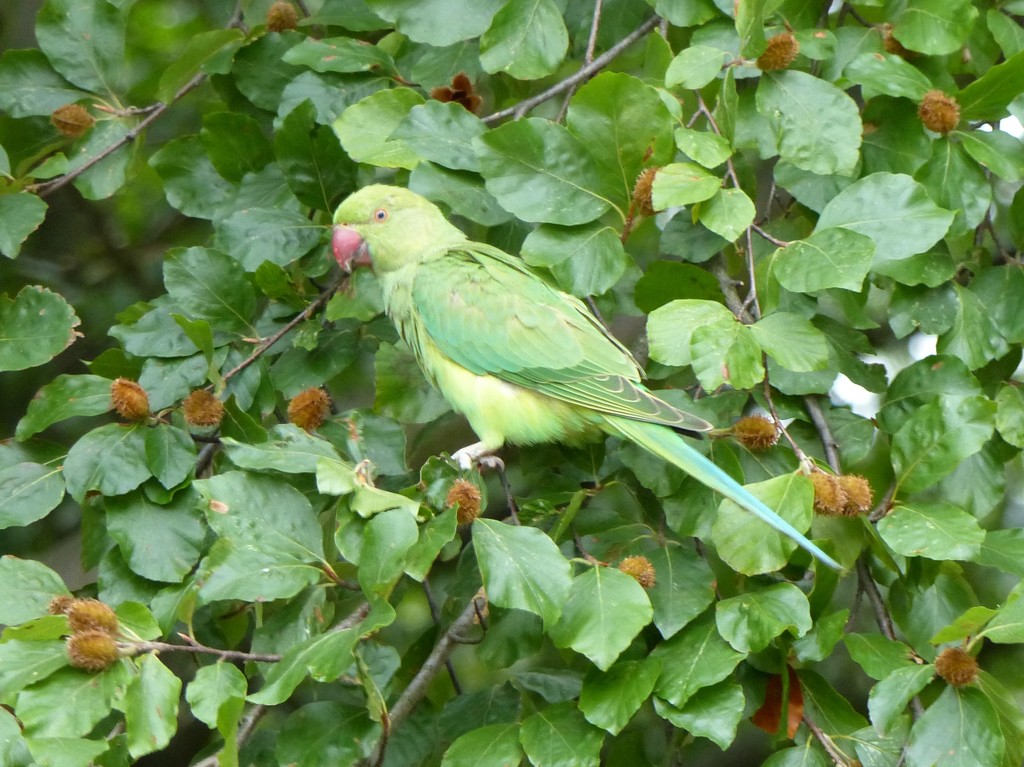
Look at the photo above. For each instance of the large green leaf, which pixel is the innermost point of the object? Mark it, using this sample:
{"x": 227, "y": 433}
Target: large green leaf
{"x": 35, "y": 326}
{"x": 162, "y": 543}
{"x": 791, "y": 341}
{"x": 66, "y": 396}
{"x": 988, "y": 97}
{"x": 728, "y": 213}
{"x": 210, "y": 285}
{"x": 960, "y": 729}
{"x": 387, "y": 538}
{"x": 559, "y": 735}
{"x": 527, "y": 39}
{"x": 695, "y": 658}
{"x": 936, "y": 530}
{"x": 889, "y": 698}
{"x": 610, "y": 699}
{"x": 605, "y": 610}
{"x": 84, "y": 42}
{"x": 888, "y": 74}
{"x": 893, "y": 210}
{"x": 442, "y": 132}
{"x": 955, "y": 182}
{"x": 365, "y": 129}
{"x": 26, "y": 588}
{"x": 682, "y": 183}
{"x": 934, "y": 27}
{"x": 254, "y": 235}
{"x": 340, "y": 54}
{"x": 541, "y": 172}
{"x": 316, "y": 167}
{"x": 522, "y": 568}
{"x": 683, "y": 588}
{"x": 20, "y": 215}
{"x": 586, "y": 260}
{"x": 110, "y": 459}
{"x": 151, "y": 707}
{"x": 828, "y": 258}
{"x": 70, "y": 702}
{"x": 694, "y": 67}
{"x": 713, "y": 712}
{"x": 751, "y": 620}
{"x": 437, "y": 22}
{"x": 30, "y": 86}
{"x": 28, "y": 491}
{"x": 818, "y": 125}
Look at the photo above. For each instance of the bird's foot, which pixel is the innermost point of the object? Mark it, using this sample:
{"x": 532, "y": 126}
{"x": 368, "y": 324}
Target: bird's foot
{"x": 477, "y": 454}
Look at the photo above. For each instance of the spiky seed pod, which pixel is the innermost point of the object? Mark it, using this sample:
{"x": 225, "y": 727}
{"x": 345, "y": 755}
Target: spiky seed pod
{"x": 202, "y": 409}
{"x": 129, "y": 399}
{"x": 894, "y": 46}
{"x": 756, "y": 433}
{"x": 829, "y": 496}
{"x": 467, "y": 496}
{"x": 72, "y": 120}
{"x": 92, "y": 650}
{"x": 460, "y": 92}
{"x": 308, "y": 409}
{"x": 642, "y": 191}
{"x": 956, "y": 666}
{"x": 779, "y": 54}
{"x": 282, "y": 16}
{"x": 939, "y": 112}
{"x": 91, "y": 615}
{"x": 59, "y": 604}
{"x": 858, "y": 494}
{"x": 640, "y": 569}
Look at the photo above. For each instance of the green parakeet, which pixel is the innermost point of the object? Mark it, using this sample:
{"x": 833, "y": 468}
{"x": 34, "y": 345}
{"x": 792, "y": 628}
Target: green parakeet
{"x": 524, "y": 362}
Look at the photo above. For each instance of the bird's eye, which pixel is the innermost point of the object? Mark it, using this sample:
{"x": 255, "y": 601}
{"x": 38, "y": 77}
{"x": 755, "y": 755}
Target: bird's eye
{"x": 380, "y": 215}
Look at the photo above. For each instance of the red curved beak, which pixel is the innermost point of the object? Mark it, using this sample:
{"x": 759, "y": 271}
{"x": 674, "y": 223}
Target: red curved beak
{"x": 349, "y": 248}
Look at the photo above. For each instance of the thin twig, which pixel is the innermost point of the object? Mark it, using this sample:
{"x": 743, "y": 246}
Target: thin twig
{"x": 194, "y": 647}
{"x": 417, "y": 688}
{"x": 833, "y": 751}
{"x": 266, "y": 343}
{"x": 868, "y": 586}
{"x": 584, "y": 72}
{"x": 435, "y": 615}
{"x": 828, "y": 442}
{"x": 588, "y": 57}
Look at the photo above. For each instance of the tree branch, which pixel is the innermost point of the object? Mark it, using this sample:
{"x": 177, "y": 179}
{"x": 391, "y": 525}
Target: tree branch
{"x": 417, "y": 688}
{"x": 572, "y": 81}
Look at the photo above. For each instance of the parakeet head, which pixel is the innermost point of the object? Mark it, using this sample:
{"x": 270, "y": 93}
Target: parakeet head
{"x": 388, "y": 227}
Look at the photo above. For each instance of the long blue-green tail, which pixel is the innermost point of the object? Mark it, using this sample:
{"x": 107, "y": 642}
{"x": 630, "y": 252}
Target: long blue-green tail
{"x": 666, "y": 444}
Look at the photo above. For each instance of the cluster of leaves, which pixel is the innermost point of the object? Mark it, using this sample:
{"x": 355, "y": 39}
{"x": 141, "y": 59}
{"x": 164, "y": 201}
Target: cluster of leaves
{"x": 794, "y": 218}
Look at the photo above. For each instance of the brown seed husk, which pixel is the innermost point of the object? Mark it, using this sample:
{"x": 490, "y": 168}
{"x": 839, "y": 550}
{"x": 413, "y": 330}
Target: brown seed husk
{"x": 642, "y": 191}
{"x": 308, "y": 409}
{"x": 956, "y": 666}
{"x": 92, "y": 650}
{"x": 467, "y": 496}
{"x": 72, "y": 120}
{"x": 91, "y": 615}
{"x": 129, "y": 399}
{"x": 201, "y": 408}
{"x": 780, "y": 53}
{"x": 829, "y": 496}
{"x": 282, "y": 16}
{"x": 939, "y": 112}
{"x": 756, "y": 433}
{"x": 858, "y": 494}
{"x": 640, "y": 569}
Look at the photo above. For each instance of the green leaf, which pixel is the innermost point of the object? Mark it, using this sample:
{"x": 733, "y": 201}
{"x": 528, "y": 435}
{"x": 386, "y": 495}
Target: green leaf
{"x": 437, "y": 22}
{"x": 586, "y": 260}
{"x": 170, "y": 454}
{"x": 695, "y": 658}
{"x": 610, "y": 699}
{"x": 670, "y": 328}
{"x": 210, "y": 285}
{"x": 936, "y": 530}
{"x": 987, "y": 98}
{"x": 732, "y": 357}
{"x": 66, "y": 752}
{"x": 954, "y": 181}
{"x": 829, "y": 258}
{"x": 312, "y": 160}
{"x": 396, "y": 397}
{"x": 254, "y": 235}
{"x": 527, "y": 39}
{"x": 110, "y": 459}
{"x": 820, "y": 642}
{"x": 559, "y": 735}
{"x": 66, "y": 396}
{"x": 206, "y": 52}
{"x": 35, "y": 326}
{"x": 102, "y": 179}
{"x": 270, "y": 541}
{"x": 235, "y": 144}
{"x": 889, "y": 698}
{"x": 934, "y": 27}
{"x": 791, "y": 341}
{"x": 29, "y": 86}
{"x": 491, "y": 744}
{"x": 665, "y": 281}
{"x": 326, "y": 656}
{"x": 879, "y": 656}
{"x": 751, "y": 546}
{"x": 20, "y": 215}
{"x": 216, "y": 697}
{"x": 443, "y": 133}
{"x": 887, "y": 74}
{"x": 997, "y": 151}
{"x": 325, "y": 730}
{"x": 24, "y": 663}
{"x": 960, "y": 729}
{"x": 1007, "y": 625}
{"x": 605, "y": 610}
{"x": 84, "y": 42}
{"x": 965, "y": 626}
{"x": 387, "y": 538}
{"x": 625, "y": 126}
{"x": 433, "y": 537}
{"x": 893, "y": 210}
{"x": 161, "y": 543}
{"x": 461, "y": 191}
{"x": 70, "y": 702}
{"x": 28, "y": 491}
{"x": 937, "y": 437}
{"x": 541, "y": 172}
{"x": 682, "y": 183}
{"x": 974, "y": 336}
{"x": 522, "y": 568}
{"x": 728, "y": 213}
{"x": 1010, "y": 415}
{"x": 1004, "y": 550}
{"x": 26, "y": 588}
{"x": 365, "y": 128}
{"x": 818, "y": 125}
{"x": 340, "y": 54}
{"x": 713, "y": 713}
{"x": 694, "y": 67}
{"x": 191, "y": 184}
{"x": 704, "y": 147}
{"x": 151, "y": 707}
{"x": 683, "y": 589}
{"x": 750, "y": 621}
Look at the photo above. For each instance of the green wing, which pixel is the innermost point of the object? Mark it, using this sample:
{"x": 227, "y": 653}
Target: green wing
{"x": 484, "y": 311}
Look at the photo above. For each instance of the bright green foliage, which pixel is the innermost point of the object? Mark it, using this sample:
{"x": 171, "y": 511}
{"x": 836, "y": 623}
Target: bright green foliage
{"x": 792, "y": 226}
